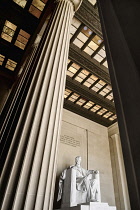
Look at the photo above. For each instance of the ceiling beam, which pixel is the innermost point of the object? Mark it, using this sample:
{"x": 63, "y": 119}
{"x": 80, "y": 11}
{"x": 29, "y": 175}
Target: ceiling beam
{"x": 97, "y": 50}
{"x": 88, "y": 41}
{"x": 76, "y": 33}
{"x": 86, "y": 113}
{"x": 88, "y": 15}
{"x": 90, "y": 95}
{"x": 103, "y": 61}
{"x": 88, "y": 63}
{"x": 10, "y": 50}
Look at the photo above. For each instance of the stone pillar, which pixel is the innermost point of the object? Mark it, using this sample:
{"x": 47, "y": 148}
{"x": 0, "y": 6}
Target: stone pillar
{"x": 120, "y": 24}
{"x": 12, "y": 109}
{"x": 119, "y": 177}
{"x": 31, "y": 180}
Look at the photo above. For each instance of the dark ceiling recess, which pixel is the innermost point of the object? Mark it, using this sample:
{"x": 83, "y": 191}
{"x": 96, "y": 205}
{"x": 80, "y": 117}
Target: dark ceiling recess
{"x": 27, "y": 24}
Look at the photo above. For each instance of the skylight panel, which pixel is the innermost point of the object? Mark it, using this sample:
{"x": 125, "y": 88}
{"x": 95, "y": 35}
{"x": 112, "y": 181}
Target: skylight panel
{"x": 82, "y": 37}
{"x": 114, "y": 117}
{"x": 2, "y": 57}
{"x": 72, "y": 29}
{"x": 107, "y": 115}
{"x": 81, "y": 101}
{"x": 22, "y": 39}
{"x": 105, "y": 64}
{"x": 98, "y": 86}
{"x": 8, "y": 31}
{"x": 110, "y": 96}
{"x": 67, "y": 93}
{"x": 82, "y": 75}
{"x": 87, "y": 84}
{"x": 76, "y": 22}
{"x": 21, "y": 3}
{"x": 36, "y": 8}
{"x": 98, "y": 58}
{"x": 38, "y": 4}
{"x": 74, "y": 26}
{"x": 86, "y": 31}
{"x": 95, "y": 108}
{"x": 78, "y": 43}
{"x": 106, "y": 90}
{"x": 11, "y": 65}
{"x": 76, "y": 66}
{"x": 88, "y": 50}
{"x": 93, "y": 45}
{"x": 96, "y": 39}
{"x": 88, "y": 104}
{"x": 93, "y": 77}
{"x": 73, "y": 69}
{"x": 102, "y": 53}
{"x": 102, "y": 111}
{"x": 90, "y": 80}
{"x": 73, "y": 97}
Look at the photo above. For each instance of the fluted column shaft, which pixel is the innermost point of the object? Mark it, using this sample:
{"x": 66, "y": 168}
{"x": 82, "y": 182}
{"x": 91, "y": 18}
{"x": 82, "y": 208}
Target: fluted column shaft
{"x": 32, "y": 176}
{"x": 12, "y": 109}
{"x": 120, "y": 184}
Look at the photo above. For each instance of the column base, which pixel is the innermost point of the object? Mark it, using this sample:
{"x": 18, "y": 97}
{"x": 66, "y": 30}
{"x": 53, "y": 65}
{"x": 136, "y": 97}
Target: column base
{"x": 91, "y": 206}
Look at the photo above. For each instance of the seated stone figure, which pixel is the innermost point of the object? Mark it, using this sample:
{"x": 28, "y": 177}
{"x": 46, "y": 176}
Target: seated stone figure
{"x": 78, "y": 185}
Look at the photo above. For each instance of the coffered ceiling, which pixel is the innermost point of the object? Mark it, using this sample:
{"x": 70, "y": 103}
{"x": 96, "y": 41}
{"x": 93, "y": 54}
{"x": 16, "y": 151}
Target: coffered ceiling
{"x": 88, "y": 88}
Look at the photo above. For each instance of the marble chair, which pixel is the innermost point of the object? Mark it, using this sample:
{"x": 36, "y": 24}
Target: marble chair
{"x": 73, "y": 197}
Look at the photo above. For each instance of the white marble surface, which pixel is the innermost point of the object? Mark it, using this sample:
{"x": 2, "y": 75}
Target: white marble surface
{"x": 91, "y": 206}
{"x": 92, "y": 1}
{"x": 93, "y": 148}
{"x": 118, "y": 169}
{"x": 77, "y": 185}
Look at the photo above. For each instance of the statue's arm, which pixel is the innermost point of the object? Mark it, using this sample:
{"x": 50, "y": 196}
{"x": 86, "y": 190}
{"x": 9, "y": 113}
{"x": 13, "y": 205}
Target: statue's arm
{"x": 92, "y": 172}
{"x": 61, "y": 183}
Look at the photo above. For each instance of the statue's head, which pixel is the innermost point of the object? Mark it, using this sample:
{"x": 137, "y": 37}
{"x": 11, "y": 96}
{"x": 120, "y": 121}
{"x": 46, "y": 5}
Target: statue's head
{"x": 78, "y": 160}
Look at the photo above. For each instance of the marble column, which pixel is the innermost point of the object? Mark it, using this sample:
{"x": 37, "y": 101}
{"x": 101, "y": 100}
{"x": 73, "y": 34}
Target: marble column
{"x": 119, "y": 176}
{"x": 120, "y": 24}
{"x": 31, "y": 180}
{"x": 14, "y": 103}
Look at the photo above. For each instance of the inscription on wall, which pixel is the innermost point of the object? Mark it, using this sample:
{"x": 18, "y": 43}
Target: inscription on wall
{"x": 69, "y": 141}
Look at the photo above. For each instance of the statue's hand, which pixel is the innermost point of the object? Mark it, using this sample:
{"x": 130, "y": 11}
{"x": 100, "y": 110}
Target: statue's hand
{"x": 89, "y": 172}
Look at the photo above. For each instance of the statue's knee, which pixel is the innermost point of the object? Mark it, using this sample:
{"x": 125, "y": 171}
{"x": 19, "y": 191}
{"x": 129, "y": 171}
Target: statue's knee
{"x": 96, "y": 181}
{"x": 93, "y": 182}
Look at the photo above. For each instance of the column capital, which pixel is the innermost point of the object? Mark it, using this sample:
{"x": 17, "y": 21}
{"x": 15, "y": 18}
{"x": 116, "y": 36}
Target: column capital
{"x": 115, "y": 136}
{"x": 76, "y": 3}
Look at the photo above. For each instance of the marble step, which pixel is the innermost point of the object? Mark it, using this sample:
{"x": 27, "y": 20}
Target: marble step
{"x": 91, "y": 206}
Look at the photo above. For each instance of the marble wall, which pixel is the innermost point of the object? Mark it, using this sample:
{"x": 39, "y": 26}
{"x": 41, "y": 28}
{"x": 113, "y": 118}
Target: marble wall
{"x": 80, "y": 136}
